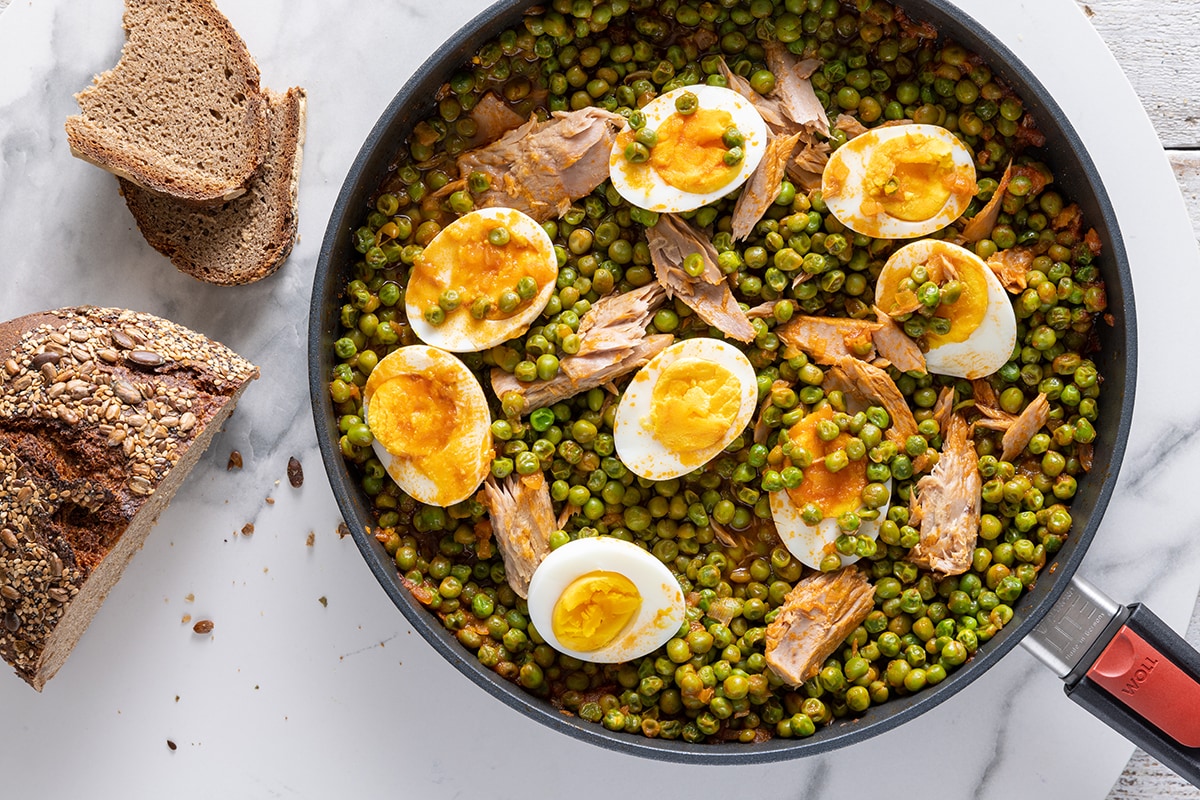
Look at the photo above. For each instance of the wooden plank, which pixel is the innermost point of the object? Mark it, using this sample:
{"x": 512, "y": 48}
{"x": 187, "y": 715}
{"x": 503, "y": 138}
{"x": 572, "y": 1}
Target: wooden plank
{"x": 1186, "y": 164}
{"x": 1149, "y": 40}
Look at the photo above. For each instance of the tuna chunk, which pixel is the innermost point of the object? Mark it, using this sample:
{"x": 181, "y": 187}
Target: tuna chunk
{"x": 493, "y": 118}
{"x": 767, "y": 107}
{"x": 541, "y": 167}
{"x": 763, "y": 187}
{"x": 1011, "y": 266}
{"x": 896, "y": 346}
{"x": 797, "y": 99}
{"x": 672, "y": 240}
{"x": 613, "y": 342}
{"x": 980, "y": 226}
{"x": 994, "y": 417}
{"x": 522, "y": 520}
{"x": 827, "y": 339}
{"x": 808, "y": 163}
{"x": 1025, "y": 426}
{"x": 944, "y": 407}
{"x": 949, "y": 502}
{"x": 875, "y": 385}
{"x": 816, "y": 617}
{"x": 849, "y": 125}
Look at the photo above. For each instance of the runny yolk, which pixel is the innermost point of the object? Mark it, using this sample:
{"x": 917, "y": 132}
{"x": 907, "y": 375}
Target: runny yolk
{"x": 692, "y": 406}
{"x": 833, "y": 492}
{"x": 593, "y": 610}
{"x": 910, "y": 177}
{"x": 690, "y": 154}
{"x": 416, "y": 418}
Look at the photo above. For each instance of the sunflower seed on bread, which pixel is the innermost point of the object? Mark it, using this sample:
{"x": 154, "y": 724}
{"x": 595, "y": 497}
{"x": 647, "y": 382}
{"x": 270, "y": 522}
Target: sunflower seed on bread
{"x": 181, "y": 113}
{"x": 244, "y": 239}
{"x": 85, "y": 471}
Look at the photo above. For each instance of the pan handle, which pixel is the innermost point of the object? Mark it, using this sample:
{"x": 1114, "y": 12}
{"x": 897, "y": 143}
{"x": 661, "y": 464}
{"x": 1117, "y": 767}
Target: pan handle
{"x": 1127, "y": 667}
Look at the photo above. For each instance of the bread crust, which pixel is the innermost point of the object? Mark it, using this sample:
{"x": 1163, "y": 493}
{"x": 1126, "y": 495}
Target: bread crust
{"x": 243, "y": 240}
{"x": 103, "y": 412}
{"x": 96, "y": 136}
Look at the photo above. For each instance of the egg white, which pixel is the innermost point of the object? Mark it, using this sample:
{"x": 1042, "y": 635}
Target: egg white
{"x": 658, "y": 619}
{"x": 811, "y": 543}
{"x": 637, "y": 447}
{"x": 462, "y": 333}
{"x": 855, "y": 154}
{"x": 641, "y": 185}
{"x": 474, "y": 424}
{"x": 991, "y": 344}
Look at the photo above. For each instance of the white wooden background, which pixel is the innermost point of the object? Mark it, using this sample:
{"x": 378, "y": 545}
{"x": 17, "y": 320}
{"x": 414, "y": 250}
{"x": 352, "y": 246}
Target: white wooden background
{"x": 1152, "y": 41}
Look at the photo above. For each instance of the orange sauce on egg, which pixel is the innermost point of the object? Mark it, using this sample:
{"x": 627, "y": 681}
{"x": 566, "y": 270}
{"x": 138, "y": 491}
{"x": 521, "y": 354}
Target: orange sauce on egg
{"x": 690, "y": 154}
{"x": 461, "y": 257}
{"x": 965, "y": 314}
{"x": 834, "y": 492}
{"x": 418, "y": 417}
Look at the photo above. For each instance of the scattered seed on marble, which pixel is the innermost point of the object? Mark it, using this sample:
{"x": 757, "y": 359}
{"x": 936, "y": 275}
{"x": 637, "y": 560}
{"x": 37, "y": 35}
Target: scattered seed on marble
{"x": 295, "y": 472}
{"x": 235, "y": 460}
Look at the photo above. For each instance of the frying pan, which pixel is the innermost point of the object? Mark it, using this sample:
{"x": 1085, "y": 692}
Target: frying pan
{"x": 1119, "y": 662}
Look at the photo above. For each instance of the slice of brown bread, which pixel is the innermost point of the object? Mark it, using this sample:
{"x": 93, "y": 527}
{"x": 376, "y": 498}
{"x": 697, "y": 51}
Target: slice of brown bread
{"x": 103, "y": 412}
{"x": 181, "y": 113}
{"x": 247, "y": 238}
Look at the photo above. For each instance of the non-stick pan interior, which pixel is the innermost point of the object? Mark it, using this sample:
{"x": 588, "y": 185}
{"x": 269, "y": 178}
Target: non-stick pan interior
{"x": 1077, "y": 178}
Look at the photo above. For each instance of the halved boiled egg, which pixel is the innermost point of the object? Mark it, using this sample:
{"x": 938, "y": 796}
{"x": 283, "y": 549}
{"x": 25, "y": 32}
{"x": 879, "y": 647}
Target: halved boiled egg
{"x": 692, "y": 158}
{"x": 481, "y": 281}
{"x": 431, "y": 424}
{"x": 972, "y": 329}
{"x": 684, "y": 407}
{"x": 831, "y": 493}
{"x": 899, "y": 182}
{"x": 606, "y": 600}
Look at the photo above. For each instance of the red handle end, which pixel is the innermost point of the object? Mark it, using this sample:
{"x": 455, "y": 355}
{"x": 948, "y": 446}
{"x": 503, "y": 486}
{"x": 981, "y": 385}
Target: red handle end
{"x": 1135, "y": 673}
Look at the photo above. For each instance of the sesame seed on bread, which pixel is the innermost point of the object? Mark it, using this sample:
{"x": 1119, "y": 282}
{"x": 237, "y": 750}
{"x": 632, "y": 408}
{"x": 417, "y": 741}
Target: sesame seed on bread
{"x": 247, "y": 238}
{"x": 103, "y": 413}
{"x": 181, "y": 113}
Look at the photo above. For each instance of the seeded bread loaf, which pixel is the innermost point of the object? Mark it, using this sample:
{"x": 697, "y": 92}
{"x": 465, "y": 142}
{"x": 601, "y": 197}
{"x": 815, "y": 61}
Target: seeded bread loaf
{"x": 181, "y": 113}
{"x": 247, "y": 238}
{"x": 103, "y": 412}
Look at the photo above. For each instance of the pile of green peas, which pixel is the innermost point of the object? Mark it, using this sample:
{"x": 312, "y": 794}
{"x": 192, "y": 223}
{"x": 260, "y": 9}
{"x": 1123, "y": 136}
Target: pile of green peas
{"x": 712, "y": 526}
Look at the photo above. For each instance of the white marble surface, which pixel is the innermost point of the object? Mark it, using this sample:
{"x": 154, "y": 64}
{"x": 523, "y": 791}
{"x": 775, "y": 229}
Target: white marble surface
{"x": 312, "y": 685}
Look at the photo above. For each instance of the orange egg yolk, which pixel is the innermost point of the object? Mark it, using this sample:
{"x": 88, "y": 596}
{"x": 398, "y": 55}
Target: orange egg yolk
{"x": 690, "y": 154}
{"x": 692, "y": 406}
{"x": 461, "y": 257}
{"x": 965, "y": 314}
{"x": 834, "y": 493}
{"x": 593, "y": 610}
{"x": 909, "y": 177}
{"x": 416, "y": 418}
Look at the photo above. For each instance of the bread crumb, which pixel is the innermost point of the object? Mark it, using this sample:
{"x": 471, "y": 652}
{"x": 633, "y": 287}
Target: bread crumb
{"x": 343, "y": 530}
{"x": 235, "y": 461}
{"x": 270, "y": 501}
{"x": 311, "y": 540}
{"x": 248, "y": 529}
{"x": 323, "y": 600}
{"x": 186, "y": 619}
{"x": 203, "y": 626}
{"x": 191, "y": 598}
